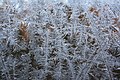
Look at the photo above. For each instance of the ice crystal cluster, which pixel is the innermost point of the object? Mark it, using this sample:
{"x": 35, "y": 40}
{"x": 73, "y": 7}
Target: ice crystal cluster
{"x": 57, "y": 41}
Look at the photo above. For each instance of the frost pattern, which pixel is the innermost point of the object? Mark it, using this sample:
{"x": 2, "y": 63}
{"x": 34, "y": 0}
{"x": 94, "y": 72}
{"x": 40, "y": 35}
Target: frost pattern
{"x": 58, "y": 41}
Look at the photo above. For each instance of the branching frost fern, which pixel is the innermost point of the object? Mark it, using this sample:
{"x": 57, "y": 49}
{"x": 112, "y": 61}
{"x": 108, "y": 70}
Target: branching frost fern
{"x": 57, "y": 41}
